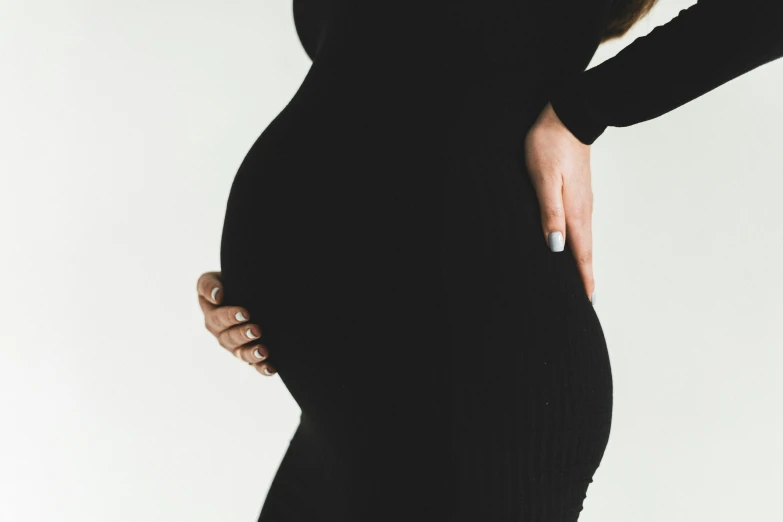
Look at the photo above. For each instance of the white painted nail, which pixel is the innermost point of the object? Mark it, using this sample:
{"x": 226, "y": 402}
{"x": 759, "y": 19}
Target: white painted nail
{"x": 556, "y": 243}
{"x": 240, "y": 316}
{"x": 214, "y": 294}
{"x": 266, "y": 371}
{"x": 592, "y": 298}
{"x": 257, "y": 354}
{"x": 249, "y": 333}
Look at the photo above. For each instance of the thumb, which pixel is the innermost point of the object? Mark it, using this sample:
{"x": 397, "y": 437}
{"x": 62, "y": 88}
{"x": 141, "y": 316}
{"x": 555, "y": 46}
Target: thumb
{"x": 209, "y": 286}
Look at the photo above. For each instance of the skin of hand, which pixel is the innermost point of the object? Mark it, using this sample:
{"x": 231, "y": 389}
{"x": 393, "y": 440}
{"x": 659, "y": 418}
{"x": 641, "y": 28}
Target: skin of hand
{"x": 559, "y": 168}
{"x": 229, "y": 324}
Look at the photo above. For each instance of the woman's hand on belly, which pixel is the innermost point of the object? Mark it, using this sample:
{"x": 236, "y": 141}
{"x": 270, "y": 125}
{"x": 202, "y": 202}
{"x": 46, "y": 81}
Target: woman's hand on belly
{"x": 229, "y": 324}
{"x": 559, "y": 168}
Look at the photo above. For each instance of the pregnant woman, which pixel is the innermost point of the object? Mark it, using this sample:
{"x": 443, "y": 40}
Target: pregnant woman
{"x": 398, "y": 237}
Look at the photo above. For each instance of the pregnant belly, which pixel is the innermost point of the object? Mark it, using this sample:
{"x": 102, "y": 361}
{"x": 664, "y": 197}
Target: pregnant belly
{"x": 355, "y": 179}
{"x": 376, "y": 197}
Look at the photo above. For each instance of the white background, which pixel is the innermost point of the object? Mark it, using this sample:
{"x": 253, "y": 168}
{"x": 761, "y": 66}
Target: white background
{"x": 121, "y": 128}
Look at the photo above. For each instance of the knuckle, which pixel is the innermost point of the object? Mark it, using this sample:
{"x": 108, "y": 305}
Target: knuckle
{"x": 579, "y": 211}
{"x": 224, "y": 316}
{"x": 233, "y": 339}
{"x": 553, "y": 212}
{"x": 223, "y": 340}
{"x": 551, "y": 173}
{"x": 212, "y": 329}
{"x": 210, "y": 319}
{"x": 585, "y": 258}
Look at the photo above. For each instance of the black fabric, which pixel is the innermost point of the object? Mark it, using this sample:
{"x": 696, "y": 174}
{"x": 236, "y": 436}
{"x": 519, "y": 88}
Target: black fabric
{"x": 703, "y": 47}
{"x": 383, "y": 232}
{"x": 310, "y": 17}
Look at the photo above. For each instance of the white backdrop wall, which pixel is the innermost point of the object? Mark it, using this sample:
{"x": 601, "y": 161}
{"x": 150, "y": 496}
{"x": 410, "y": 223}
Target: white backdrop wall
{"x": 122, "y": 125}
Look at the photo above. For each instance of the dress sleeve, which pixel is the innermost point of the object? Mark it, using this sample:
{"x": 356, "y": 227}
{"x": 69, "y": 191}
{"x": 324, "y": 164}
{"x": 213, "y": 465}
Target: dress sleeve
{"x": 704, "y": 46}
{"x": 310, "y": 17}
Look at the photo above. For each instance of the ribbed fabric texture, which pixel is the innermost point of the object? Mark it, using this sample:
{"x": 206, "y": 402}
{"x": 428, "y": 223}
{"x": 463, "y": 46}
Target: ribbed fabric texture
{"x": 384, "y": 232}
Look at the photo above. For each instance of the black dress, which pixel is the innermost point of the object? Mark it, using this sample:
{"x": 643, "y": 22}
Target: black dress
{"x": 384, "y": 234}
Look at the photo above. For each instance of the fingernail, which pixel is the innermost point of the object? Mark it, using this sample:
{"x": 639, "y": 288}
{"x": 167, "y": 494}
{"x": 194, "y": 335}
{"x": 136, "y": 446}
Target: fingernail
{"x": 214, "y": 293}
{"x": 592, "y": 298}
{"x": 556, "y": 241}
{"x": 240, "y": 316}
{"x": 257, "y": 354}
{"x": 266, "y": 371}
{"x": 249, "y": 333}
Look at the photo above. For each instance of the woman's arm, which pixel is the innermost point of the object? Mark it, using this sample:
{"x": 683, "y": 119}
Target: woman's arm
{"x": 706, "y": 45}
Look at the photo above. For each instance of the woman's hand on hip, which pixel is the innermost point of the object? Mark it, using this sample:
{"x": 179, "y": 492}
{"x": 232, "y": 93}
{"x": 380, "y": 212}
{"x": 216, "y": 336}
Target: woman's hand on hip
{"x": 229, "y": 324}
{"x": 559, "y": 168}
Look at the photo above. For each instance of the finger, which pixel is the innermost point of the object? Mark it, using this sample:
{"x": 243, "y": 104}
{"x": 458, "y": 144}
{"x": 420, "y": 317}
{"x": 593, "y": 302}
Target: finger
{"x": 265, "y": 368}
{"x": 549, "y": 188}
{"x": 220, "y": 318}
{"x": 205, "y": 305}
{"x": 239, "y": 335}
{"x": 209, "y": 287}
{"x": 579, "y": 212}
{"x": 252, "y": 353}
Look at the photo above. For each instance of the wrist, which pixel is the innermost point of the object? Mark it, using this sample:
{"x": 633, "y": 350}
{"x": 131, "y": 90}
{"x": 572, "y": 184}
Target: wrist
{"x": 576, "y": 115}
{"x": 550, "y": 119}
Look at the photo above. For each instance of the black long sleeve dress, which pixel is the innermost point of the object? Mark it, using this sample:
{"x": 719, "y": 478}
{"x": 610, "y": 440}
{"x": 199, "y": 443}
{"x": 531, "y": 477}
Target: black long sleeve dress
{"x": 384, "y": 233}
